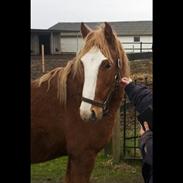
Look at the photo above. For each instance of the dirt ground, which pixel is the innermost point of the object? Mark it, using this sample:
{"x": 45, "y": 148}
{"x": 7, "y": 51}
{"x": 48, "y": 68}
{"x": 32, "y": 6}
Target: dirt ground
{"x": 139, "y": 68}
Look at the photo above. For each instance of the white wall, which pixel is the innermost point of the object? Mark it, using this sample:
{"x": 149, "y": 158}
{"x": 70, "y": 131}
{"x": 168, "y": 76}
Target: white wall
{"x": 129, "y": 45}
{"x": 72, "y": 44}
{"x": 126, "y": 39}
{"x": 146, "y": 39}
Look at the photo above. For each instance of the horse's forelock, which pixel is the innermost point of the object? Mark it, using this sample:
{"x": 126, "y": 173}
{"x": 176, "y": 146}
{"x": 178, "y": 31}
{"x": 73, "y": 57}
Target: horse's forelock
{"x": 96, "y": 38}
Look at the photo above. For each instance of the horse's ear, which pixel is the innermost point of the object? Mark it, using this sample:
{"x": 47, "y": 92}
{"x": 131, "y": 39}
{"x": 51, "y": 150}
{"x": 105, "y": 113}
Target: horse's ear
{"x": 109, "y": 34}
{"x": 85, "y": 30}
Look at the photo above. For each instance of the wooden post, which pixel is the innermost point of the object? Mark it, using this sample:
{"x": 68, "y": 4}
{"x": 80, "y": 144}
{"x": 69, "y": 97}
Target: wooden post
{"x": 42, "y": 58}
{"x": 116, "y": 149}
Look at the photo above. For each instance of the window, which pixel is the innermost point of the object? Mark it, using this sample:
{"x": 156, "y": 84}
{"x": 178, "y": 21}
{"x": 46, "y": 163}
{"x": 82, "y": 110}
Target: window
{"x": 136, "y": 38}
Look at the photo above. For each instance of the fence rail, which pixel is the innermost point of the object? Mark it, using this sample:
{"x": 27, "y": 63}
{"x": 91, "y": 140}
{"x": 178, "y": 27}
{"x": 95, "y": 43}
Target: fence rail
{"x": 138, "y": 46}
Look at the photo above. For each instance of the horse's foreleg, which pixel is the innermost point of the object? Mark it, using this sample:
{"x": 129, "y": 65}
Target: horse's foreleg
{"x": 79, "y": 168}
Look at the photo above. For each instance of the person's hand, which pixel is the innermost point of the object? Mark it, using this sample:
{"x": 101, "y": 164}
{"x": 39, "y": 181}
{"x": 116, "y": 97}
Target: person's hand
{"x": 125, "y": 81}
{"x": 146, "y": 128}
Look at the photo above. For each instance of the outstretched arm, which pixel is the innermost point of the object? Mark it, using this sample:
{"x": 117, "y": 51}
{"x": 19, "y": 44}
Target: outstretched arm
{"x": 138, "y": 94}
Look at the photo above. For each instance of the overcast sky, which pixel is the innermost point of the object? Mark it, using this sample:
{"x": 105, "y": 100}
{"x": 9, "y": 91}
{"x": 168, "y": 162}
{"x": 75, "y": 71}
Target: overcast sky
{"x": 46, "y": 13}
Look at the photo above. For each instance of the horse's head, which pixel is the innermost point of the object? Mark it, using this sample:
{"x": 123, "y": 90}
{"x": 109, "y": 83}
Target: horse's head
{"x": 102, "y": 62}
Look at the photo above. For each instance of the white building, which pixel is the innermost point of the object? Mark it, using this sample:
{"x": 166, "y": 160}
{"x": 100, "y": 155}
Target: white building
{"x": 135, "y": 36}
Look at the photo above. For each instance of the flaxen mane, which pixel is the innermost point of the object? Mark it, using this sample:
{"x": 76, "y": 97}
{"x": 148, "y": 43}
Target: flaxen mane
{"x": 94, "y": 38}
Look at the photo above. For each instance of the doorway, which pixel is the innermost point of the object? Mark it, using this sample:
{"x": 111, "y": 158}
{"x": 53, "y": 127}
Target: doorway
{"x": 45, "y": 40}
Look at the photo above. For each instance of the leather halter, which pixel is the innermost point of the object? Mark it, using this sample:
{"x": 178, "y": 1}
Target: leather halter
{"x": 107, "y": 100}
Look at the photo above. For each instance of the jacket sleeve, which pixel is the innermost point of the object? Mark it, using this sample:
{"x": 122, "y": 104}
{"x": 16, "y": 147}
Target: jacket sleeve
{"x": 139, "y": 95}
{"x": 146, "y": 147}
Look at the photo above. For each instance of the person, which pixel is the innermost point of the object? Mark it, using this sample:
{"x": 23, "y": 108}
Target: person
{"x": 141, "y": 97}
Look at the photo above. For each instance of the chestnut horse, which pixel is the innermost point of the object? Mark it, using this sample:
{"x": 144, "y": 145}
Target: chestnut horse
{"x": 73, "y": 107}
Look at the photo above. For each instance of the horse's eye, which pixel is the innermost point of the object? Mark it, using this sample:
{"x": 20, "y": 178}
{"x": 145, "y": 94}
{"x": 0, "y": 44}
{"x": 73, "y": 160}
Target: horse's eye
{"x": 106, "y": 64}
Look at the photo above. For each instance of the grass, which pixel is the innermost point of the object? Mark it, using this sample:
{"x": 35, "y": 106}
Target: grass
{"x": 50, "y": 171}
{"x": 104, "y": 172}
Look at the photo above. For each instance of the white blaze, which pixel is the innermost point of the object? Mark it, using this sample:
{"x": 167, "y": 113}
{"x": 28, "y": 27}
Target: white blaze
{"x": 91, "y": 62}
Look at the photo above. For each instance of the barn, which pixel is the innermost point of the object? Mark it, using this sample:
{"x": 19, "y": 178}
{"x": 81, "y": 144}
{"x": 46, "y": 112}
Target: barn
{"x": 136, "y": 36}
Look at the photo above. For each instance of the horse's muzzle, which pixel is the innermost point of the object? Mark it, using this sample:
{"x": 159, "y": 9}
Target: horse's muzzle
{"x": 94, "y": 114}
{"x": 97, "y": 112}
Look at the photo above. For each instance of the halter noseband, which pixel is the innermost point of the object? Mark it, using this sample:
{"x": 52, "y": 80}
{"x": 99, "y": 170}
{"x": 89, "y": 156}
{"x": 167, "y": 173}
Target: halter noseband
{"x": 115, "y": 85}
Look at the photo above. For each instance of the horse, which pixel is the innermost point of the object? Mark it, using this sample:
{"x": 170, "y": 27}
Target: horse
{"x": 73, "y": 107}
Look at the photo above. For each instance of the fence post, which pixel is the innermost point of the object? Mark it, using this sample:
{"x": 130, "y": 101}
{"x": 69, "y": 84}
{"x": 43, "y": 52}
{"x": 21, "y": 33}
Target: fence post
{"x": 116, "y": 138}
{"x": 42, "y": 58}
{"x": 140, "y": 47}
{"x": 108, "y": 149}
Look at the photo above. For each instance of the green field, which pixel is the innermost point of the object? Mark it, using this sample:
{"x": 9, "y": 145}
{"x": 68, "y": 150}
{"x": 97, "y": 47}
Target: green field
{"x": 104, "y": 172}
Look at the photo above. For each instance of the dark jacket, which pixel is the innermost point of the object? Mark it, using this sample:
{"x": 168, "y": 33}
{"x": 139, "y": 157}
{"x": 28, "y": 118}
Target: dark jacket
{"x": 147, "y": 155}
{"x": 141, "y": 97}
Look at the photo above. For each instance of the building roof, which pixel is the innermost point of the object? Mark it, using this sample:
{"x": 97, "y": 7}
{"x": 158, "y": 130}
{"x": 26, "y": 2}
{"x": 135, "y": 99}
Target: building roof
{"x": 49, "y": 30}
{"x": 122, "y": 28}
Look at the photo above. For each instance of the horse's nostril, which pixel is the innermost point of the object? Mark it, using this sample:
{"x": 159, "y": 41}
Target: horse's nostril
{"x": 93, "y": 116}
